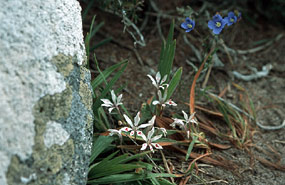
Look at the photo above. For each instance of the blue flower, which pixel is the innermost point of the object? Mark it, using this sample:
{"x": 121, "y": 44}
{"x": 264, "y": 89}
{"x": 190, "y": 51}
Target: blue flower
{"x": 231, "y": 18}
{"x": 217, "y": 24}
{"x": 188, "y": 25}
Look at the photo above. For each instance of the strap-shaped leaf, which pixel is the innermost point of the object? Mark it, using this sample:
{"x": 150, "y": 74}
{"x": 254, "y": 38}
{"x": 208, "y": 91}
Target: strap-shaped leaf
{"x": 174, "y": 82}
{"x": 99, "y": 79}
{"x": 167, "y": 53}
{"x": 99, "y": 145}
{"x": 119, "y": 178}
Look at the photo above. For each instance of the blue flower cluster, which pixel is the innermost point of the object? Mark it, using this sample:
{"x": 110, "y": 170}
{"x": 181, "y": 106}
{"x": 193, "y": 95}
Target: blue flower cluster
{"x": 188, "y": 25}
{"x": 217, "y": 24}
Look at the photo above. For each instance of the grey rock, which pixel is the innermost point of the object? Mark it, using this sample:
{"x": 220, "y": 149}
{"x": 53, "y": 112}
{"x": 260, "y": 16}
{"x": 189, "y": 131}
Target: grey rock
{"x": 45, "y": 94}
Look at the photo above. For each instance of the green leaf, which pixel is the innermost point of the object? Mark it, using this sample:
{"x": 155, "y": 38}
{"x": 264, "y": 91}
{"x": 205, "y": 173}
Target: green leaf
{"x": 145, "y": 113}
{"x": 99, "y": 145}
{"x": 96, "y": 29}
{"x": 101, "y": 43}
{"x": 118, "y": 178}
{"x": 89, "y": 6}
{"x": 87, "y": 40}
{"x": 136, "y": 156}
{"x": 174, "y": 82}
{"x": 190, "y": 147}
{"x": 167, "y": 53}
{"x": 164, "y": 182}
{"x": 113, "y": 169}
{"x": 107, "y": 72}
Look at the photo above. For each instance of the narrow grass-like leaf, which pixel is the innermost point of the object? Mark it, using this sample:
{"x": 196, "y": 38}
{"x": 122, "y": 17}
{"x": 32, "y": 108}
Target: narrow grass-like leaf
{"x": 224, "y": 111}
{"x": 119, "y": 178}
{"x": 87, "y": 40}
{"x": 96, "y": 29}
{"x": 167, "y": 53}
{"x": 107, "y": 72}
{"x": 101, "y": 43}
{"x": 190, "y": 147}
{"x": 113, "y": 169}
{"x": 163, "y": 181}
{"x": 99, "y": 145}
{"x": 174, "y": 82}
{"x": 136, "y": 156}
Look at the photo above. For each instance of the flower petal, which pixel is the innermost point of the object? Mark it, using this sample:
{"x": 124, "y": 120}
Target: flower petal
{"x": 217, "y": 18}
{"x": 190, "y": 29}
{"x": 178, "y": 122}
{"x": 217, "y": 30}
{"x": 140, "y": 133}
{"x": 119, "y": 99}
{"x": 157, "y": 77}
{"x": 151, "y": 148}
{"x": 184, "y": 25}
{"x": 145, "y": 125}
{"x": 150, "y": 133}
{"x": 110, "y": 109}
{"x": 152, "y": 120}
{"x": 156, "y": 145}
{"x": 163, "y": 79}
{"x": 114, "y": 131}
{"x": 188, "y": 20}
{"x": 132, "y": 133}
{"x": 156, "y": 138}
{"x": 106, "y": 102}
{"x": 170, "y": 102}
{"x": 128, "y": 120}
{"x": 211, "y": 24}
{"x": 137, "y": 119}
{"x": 144, "y": 146}
{"x": 114, "y": 97}
{"x": 185, "y": 116}
{"x": 152, "y": 80}
{"x": 192, "y": 115}
{"x": 231, "y": 14}
{"x": 126, "y": 129}
{"x": 107, "y": 105}
{"x": 155, "y": 102}
{"x": 163, "y": 130}
{"x": 188, "y": 134}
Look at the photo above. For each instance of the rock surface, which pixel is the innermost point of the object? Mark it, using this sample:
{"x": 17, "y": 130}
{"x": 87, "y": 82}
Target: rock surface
{"x": 45, "y": 94}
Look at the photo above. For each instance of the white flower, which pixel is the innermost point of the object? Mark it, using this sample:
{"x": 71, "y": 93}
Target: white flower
{"x": 149, "y": 140}
{"x": 134, "y": 127}
{"x": 162, "y": 100}
{"x": 178, "y": 122}
{"x": 191, "y": 119}
{"x": 116, "y": 101}
{"x": 158, "y": 82}
{"x": 116, "y": 132}
{"x": 182, "y": 123}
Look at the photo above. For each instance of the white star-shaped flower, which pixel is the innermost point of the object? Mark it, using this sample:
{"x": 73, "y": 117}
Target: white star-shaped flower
{"x": 162, "y": 100}
{"x": 182, "y": 123}
{"x": 149, "y": 140}
{"x": 158, "y": 82}
{"x": 134, "y": 127}
{"x": 116, "y": 101}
